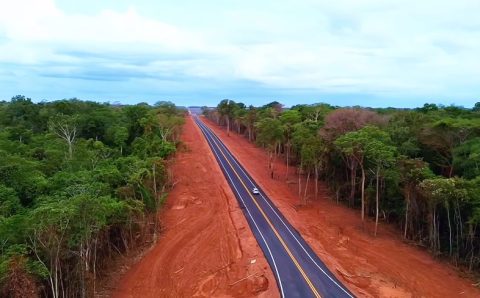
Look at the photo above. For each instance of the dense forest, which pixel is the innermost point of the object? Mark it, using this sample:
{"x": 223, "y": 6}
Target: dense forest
{"x": 416, "y": 168}
{"x": 80, "y": 183}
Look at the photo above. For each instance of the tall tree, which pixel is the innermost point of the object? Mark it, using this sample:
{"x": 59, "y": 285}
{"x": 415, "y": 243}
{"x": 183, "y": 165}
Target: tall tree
{"x": 289, "y": 119}
{"x": 361, "y": 144}
{"x": 65, "y": 127}
{"x": 250, "y": 120}
{"x": 476, "y": 107}
{"x": 227, "y": 108}
{"x": 380, "y": 155}
{"x": 444, "y": 135}
{"x": 342, "y": 121}
{"x": 412, "y": 173}
{"x": 270, "y": 135}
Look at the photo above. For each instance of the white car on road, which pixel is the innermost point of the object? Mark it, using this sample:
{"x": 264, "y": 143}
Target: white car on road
{"x": 255, "y": 191}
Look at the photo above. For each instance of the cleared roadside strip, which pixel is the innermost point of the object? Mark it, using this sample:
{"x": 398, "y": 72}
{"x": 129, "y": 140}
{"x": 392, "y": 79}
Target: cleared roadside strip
{"x": 280, "y": 238}
{"x": 274, "y": 211}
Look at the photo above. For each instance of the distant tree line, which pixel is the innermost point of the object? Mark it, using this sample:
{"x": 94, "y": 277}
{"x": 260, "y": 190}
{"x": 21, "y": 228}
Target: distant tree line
{"x": 80, "y": 182}
{"x": 416, "y": 168}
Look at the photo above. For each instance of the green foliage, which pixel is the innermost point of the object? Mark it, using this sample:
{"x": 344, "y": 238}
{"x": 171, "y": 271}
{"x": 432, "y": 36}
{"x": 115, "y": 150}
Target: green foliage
{"x": 476, "y": 107}
{"x": 19, "y": 253}
{"x": 77, "y": 177}
{"x": 369, "y": 143}
{"x": 117, "y": 135}
{"x": 421, "y": 166}
{"x": 443, "y": 190}
{"x": 9, "y": 202}
{"x": 270, "y": 132}
{"x": 428, "y": 107}
{"x": 466, "y": 158}
{"x": 23, "y": 176}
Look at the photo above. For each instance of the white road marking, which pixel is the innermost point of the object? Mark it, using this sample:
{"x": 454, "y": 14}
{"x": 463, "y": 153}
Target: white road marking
{"x": 296, "y": 239}
{"x": 254, "y": 222}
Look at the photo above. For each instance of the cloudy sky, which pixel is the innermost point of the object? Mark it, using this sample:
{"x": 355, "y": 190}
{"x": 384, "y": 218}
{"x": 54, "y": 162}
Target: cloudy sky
{"x": 344, "y": 52}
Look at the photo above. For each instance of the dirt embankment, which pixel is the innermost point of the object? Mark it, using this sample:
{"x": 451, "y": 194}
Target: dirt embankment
{"x": 382, "y": 266}
{"x": 206, "y": 248}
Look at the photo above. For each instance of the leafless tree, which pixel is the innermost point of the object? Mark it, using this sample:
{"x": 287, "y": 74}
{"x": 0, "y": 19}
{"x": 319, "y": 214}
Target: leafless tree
{"x": 65, "y": 128}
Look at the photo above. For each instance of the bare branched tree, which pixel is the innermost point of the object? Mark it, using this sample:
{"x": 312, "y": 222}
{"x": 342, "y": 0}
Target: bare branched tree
{"x": 65, "y": 127}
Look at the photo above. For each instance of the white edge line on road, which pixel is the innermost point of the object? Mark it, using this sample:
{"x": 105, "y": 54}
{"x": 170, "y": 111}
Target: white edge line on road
{"x": 254, "y": 222}
{"x": 253, "y": 184}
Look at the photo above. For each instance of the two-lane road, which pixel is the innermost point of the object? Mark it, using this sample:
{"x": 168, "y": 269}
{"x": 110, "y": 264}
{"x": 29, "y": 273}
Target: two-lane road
{"x": 298, "y": 270}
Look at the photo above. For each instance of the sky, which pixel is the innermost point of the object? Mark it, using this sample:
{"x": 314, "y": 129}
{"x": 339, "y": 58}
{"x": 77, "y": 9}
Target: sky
{"x": 343, "y": 52}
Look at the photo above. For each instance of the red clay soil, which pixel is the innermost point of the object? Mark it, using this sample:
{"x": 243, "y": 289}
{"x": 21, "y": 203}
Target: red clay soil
{"x": 382, "y": 266}
{"x": 207, "y": 248}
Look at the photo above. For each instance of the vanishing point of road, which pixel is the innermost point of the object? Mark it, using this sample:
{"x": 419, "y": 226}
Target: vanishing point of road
{"x": 298, "y": 270}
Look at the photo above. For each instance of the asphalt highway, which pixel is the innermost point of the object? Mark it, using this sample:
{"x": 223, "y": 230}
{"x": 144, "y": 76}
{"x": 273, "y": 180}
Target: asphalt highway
{"x": 298, "y": 270}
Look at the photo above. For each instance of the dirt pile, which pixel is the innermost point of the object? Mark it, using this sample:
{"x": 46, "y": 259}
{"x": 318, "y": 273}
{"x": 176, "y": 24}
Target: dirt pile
{"x": 206, "y": 248}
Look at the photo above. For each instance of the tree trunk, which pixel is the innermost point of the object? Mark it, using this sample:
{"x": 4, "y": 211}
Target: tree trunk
{"x": 353, "y": 177}
{"x": 460, "y": 224}
{"x": 228, "y": 126}
{"x": 156, "y": 203}
{"x": 450, "y": 172}
{"x": 70, "y": 149}
{"x": 274, "y": 160}
{"x": 316, "y": 182}
{"x": 363, "y": 192}
{"x": 270, "y": 159}
{"x": 300, "y": 181}
{"x": 377, "y": 202}
{"x": 439, "y": 248}
{"x": 288, "y": 151}
{"x": 449, "y": 231}
{"x": 272, "y": 156}
{"x": 406, "y": 214}
{"x": 306, "y": 187}
{"x": 433, "y": 236}
{"x": 436, "y": 231}
{"x": 95, "y": 265}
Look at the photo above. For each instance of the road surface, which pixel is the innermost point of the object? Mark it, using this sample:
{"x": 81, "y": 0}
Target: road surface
{"x": 298, "y": 270}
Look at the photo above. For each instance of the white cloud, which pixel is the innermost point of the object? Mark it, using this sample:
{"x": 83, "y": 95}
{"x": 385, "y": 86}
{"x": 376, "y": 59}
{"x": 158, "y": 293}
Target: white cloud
{"x": 364, "y": 46}
{"x": 29, "y": 24}
{"x": 387, "y": 48}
